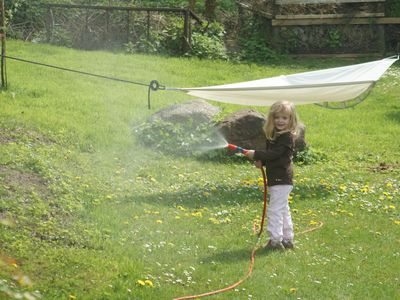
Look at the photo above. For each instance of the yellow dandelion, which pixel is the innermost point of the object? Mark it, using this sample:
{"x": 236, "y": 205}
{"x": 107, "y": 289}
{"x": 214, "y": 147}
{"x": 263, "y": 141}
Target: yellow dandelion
{"x": 141, "y": 282}
{"x": 159, "y": 221}
{"x": 312, "y": 222}
{"x": 197, "y": 214}
{"x": 214, "y": 220}
{"x": 397, "y": 222}
{"x": 293, "y": 290}
{"x": 149, "y": 283}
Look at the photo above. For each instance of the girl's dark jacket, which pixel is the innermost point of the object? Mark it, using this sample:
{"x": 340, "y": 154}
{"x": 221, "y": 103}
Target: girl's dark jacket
{"x": 278, "y": 159}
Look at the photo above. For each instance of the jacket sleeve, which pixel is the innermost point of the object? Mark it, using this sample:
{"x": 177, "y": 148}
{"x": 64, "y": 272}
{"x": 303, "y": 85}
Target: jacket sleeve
{"x": 282, "y": 144}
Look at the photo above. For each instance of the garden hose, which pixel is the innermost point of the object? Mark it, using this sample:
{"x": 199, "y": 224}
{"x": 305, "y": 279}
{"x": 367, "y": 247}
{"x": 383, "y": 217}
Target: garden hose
{"x": 253, "y": 251}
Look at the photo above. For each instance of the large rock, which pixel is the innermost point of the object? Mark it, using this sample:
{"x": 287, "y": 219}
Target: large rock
{"x": 196, "y": 111}
{"x": 245, "y": 129}
{"x": 300, "y": 143}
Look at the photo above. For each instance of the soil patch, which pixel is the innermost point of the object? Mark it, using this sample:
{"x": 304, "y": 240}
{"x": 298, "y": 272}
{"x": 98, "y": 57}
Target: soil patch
{"x": 384, "y": 167}
{"x": 19, "y": 133}
{"x": 23, "y": 181}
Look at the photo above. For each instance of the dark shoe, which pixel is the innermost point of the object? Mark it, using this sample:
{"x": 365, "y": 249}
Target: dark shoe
{"x": 272, "y": 245}
{"x": 288, "y": 244}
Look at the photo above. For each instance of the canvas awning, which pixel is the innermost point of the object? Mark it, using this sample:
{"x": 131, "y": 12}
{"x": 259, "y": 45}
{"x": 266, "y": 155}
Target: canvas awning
{"x": 329, "y": 85}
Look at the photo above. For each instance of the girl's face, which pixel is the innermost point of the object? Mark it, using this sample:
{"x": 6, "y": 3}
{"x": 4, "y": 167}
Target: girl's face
{"x": 281, "y": 121}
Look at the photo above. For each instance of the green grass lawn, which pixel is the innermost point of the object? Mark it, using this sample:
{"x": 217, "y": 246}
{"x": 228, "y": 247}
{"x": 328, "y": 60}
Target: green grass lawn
{"x": 88, "y": 213}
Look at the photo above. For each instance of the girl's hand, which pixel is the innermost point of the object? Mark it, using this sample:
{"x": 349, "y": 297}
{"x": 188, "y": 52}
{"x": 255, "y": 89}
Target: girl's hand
{"x": 258, "y": 164}
{"x": 250, "y": 154}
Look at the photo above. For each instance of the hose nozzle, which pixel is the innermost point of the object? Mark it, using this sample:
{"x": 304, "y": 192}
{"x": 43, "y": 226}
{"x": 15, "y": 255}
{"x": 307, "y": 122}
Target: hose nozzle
{"x": 237, "y": 149}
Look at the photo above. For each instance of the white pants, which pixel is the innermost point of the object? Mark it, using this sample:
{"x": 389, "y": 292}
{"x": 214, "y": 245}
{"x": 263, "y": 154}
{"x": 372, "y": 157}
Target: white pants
{"x": 280, "y": 226}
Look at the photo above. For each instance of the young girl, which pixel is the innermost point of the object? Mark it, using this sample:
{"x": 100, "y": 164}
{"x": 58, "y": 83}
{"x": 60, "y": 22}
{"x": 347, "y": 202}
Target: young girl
{"x": 280, "y": 130}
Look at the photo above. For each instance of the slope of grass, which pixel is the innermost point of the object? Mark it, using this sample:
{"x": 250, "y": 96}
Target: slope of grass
{"x": 87, "y": 213}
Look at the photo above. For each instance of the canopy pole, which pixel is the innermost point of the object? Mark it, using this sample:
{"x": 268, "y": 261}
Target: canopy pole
{"x": 3, "y": 75}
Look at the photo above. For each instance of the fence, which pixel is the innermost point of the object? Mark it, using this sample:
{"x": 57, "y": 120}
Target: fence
{"x": 111, "y": 23}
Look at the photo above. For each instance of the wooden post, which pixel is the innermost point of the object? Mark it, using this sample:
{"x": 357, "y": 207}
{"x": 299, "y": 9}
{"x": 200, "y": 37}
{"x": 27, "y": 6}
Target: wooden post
{"x": 148, "y": 25}
{"x": 3, "y": 46}
{"x": 186, "y": 32}
{"x": 107, "y": 24}
{"x": 49, "y": 24}
{"x": 128, "y": 24}
{"x": 382, "y": 39}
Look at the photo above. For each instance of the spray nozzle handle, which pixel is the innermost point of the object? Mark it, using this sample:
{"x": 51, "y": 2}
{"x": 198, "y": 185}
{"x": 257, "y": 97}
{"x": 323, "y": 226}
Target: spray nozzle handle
{"x": 237, "y": 149}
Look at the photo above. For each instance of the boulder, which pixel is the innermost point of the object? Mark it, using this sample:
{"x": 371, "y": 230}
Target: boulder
{"x": 196, "y": 111}
{"x": 245, "y": 129}
{"x": 300, "y": 143}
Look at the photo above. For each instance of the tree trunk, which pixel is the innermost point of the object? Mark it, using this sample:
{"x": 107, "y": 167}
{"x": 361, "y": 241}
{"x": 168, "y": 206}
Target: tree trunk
{"x": 192, "y": 4}
{"x": 241, "y": 17}
{"x": 210, "y": 6}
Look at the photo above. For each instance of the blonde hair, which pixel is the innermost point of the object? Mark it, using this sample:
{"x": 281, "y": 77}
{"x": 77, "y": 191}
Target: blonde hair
{"x": 284, "y": 107}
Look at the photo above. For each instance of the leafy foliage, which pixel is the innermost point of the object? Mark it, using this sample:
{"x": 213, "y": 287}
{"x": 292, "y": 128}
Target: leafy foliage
{"x": 392, "y": 8}
{"x": 208, "y": 43}
{"x": 181, "y": 139}
{"x": 254, "y": 42}
{"x": 309, "y": 156}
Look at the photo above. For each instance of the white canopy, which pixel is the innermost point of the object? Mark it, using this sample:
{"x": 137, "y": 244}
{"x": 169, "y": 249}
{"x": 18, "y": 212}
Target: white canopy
{"x": 329, "y": 85}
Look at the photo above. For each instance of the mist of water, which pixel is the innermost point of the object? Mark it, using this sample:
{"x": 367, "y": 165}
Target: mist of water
{"x": 214, "y": 142}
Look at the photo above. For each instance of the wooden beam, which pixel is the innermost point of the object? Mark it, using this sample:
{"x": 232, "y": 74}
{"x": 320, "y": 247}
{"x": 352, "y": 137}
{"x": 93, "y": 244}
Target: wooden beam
{"x": 329, "y": 16}
{"x": 336, "y": 55}
{"x": 102, "y": 7}
{"x": 389, "y": 21}
{"x": 288, "y": 2}
{"x": 353, "y": 21}
{"x": 196, "y": 17}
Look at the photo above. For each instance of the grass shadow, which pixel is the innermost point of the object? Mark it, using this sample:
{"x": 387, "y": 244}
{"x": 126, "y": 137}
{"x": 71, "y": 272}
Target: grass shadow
{"x": 232, "y": 256}
{"x": 229, "y": 195}
{"x": 394, "y": 115}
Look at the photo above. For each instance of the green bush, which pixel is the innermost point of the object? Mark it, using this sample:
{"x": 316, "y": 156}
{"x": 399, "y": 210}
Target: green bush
{"x": 392, "y": 8}
{"x": 254, "y": 43}
{"x": 182, "y": 139}
{"x": 210, "y": 47}
{"x": 23, "y": 17}
{"x": 309, "y": 156}
{"x": 207, "y": 41}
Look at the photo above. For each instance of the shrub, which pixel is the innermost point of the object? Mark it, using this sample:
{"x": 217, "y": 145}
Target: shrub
{"x": 254, "y": 42}
{"x": 309, "y": 156}
{"x": 182, "y": 139}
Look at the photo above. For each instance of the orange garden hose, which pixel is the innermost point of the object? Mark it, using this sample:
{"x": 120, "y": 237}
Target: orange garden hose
{"x": 253, "y": 252}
